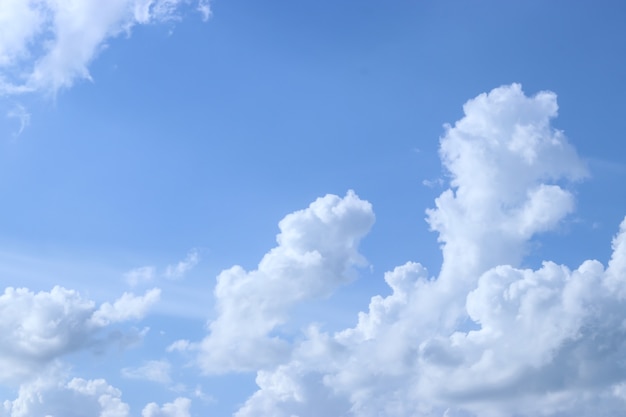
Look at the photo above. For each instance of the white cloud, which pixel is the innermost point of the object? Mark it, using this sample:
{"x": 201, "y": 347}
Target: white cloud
{"x": 181, "y": 268}
{"x": 19, "y": 21}
{"x": 178, "y": 408}
{"x": 128, "y": 306}
{"x": 505, "y": 162}
{"x": 316, "y": 252}
{"x": 179, "y": 345}
{"x": 484, "y": 338}
{"x": 616, "y": 272}
{"x": 36, "y": 329}
{"x": 156, "y": 371}
{"x": 50, "y": 395}
{"x": 146, "y": 274}
{"x": 439, "y": 182}
{"x": 205, "y": 9}
{"x": 23, "y": 117}
{"x": 46, "y": 45}
{"x": 140, "y": 275}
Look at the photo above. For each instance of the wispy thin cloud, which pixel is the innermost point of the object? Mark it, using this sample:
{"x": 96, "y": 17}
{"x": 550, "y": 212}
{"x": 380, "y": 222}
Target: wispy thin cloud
{"x": 141, "y": 275}
{"x": 155, "y": 371}
{"x": 178, "y": 270}
{"x": 20, "y": 113}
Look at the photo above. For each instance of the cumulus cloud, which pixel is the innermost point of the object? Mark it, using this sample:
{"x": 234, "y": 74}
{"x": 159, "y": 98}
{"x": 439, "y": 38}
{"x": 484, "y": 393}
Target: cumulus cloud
{"x": 36, "y": 329}
{"x": 53, "y": 394}
{"x": 316, "y": 253}
{"x": 46, "y": 45}
{"x": 178, "y": 408}
{"x": 128, "y": 306}
{"x": 50, "y": 395}
{"x": 505, "y": 164}
{"x": 483, "y": 337}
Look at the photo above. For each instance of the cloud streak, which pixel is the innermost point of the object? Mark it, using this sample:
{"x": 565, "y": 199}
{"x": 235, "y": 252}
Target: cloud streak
{"x": 23, "y": 117}
{"x": 156, "y": 371}
{"x": 180, "y": 269}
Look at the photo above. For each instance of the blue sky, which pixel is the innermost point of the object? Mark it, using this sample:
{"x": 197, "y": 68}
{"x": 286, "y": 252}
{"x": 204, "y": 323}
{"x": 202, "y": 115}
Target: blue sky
{"x": 150, "y": 148}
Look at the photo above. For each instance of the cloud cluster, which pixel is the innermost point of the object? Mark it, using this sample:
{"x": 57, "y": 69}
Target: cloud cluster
{"x": 316, "y": 253}
{"x": 178, "y": 408}
{"x": 49, "y": 395}
{"x": 484, "y": 337}
{"x": 46, "y": 45}
{"x": 36, "y": 329}
{"x": 52, "y": 395}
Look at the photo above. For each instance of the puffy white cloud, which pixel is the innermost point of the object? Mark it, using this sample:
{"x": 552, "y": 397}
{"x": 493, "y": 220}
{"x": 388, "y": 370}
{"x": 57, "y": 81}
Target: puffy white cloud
{"x": 19, "y": 21}
{"x": 316, "y": 253}
{"x": 178, "y": 408}
{"x": 616, "y": 272}
{"x": 128, "y": 306}
{"x": 505, "y": 163}
{"x": 46, "y": 45}
{"x": 484, "y": 337}
{"x": 50, "y": 395}
{"x": 36, "y": 329}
